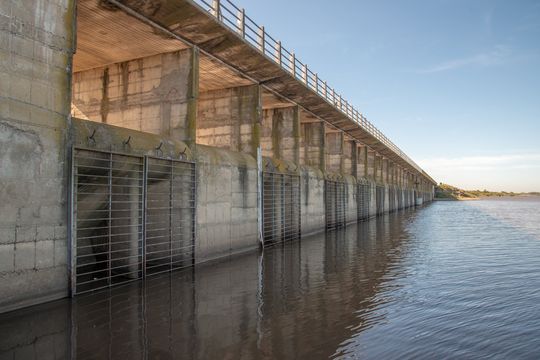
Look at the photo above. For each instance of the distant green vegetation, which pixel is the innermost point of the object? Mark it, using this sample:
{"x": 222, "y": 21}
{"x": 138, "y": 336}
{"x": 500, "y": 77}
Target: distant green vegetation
{"x": 448, "y": 192}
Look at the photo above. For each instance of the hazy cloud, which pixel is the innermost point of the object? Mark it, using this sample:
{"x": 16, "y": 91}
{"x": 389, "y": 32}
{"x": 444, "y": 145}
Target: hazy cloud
{"x": 498, "y": 55}
{"x": 515, "y": 161}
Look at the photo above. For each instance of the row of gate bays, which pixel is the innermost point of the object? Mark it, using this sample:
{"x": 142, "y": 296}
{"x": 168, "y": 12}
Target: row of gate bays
{"x": 281, "y": 213}
{"x": 132, "y": 215}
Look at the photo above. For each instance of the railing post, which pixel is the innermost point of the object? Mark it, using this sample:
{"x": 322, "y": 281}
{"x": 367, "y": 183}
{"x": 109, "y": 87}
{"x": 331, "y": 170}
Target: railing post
{"x": 261, "y": 39}
{"x": 304, "y": 73}
{"x": 216, "y": 9}
{"x": 278, "y": 53}
{"x": 316, "y": 83}
{"x": 242, "y": 23}
{"x": 325, "y": 90}
{"x": 293, "y": 64}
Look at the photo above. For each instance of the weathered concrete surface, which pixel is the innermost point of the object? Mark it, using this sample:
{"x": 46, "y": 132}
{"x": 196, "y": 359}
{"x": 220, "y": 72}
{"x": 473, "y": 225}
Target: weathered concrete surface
{"x": 155, "y": 94}
{"x": 313, "y": 145}
{"x": 226, "y": 203}
{"x": 280, "y": 134}
{"x": 36, "y": 45}
{"x": 334, "y": 151}
{"x": 230, "y": 118}
{"x": 351, "y": 214}
{"x": 312, "y": 200}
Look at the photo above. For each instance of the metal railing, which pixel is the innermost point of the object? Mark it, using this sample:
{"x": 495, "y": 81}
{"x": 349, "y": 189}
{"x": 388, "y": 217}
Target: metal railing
{"x": 236, "y": 19}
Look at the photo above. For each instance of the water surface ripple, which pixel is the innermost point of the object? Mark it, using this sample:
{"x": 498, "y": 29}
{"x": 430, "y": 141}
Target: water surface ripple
{"x": 450, "y": 280}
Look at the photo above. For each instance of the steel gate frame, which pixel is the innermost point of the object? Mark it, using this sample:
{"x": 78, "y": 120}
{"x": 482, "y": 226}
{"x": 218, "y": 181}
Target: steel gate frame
{"x": 281, "y": 215}
{"x": 363, "y": 200}
{"x": 335, "y": 200}
{"x": 380, "y": 198}
{"x": 74, "y": 203}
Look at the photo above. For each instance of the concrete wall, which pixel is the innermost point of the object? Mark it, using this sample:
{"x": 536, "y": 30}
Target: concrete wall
{"x": 152, "y": 94}
{"x": 334, "y": 152}
{"x": 352, "y": 204}
{"x": 312, "y": 145}
{"x": 36, "y": 47}
{"x": 226, "y": 203}
{"x": 230, "y": 118}
{"x": 280, "y": 134}
{"x": 312, "y": 201}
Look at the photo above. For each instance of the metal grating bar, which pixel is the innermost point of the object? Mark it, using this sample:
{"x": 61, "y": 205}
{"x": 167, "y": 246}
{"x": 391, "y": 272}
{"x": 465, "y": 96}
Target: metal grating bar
{"x": 169, "y": 217}
{"x": 132, "y": 216}
{"x": 107, "y": 213}
{"x": 281, "y": 207}
{"x": 335, "y": 198}
{"x": 363, "y": 200}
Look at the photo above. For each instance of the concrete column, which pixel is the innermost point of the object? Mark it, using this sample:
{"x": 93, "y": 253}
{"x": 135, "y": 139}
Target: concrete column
{"x": 36, "y": 51}
{"x": 366, "y": 162}
{"x": 354, "y": 158}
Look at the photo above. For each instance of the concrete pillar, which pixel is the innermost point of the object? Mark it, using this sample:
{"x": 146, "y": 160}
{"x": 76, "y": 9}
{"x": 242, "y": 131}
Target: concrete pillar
{"x": 354, "y": 158}
{"x": 36, "y": 49}
{"x": 156, "y": 94}
{"x": 230, "y": 118}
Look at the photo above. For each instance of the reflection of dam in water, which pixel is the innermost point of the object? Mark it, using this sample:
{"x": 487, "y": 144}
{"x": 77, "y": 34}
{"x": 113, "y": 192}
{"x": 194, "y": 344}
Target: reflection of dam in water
{"x": 300, "y": 298}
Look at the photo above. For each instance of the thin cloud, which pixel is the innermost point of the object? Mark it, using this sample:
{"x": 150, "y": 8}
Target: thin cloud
{"x": 515, "y": 161}
{"x": 498, "y": 55}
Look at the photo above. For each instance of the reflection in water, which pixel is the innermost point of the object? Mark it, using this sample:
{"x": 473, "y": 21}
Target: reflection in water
{"x": 445, "y": 280}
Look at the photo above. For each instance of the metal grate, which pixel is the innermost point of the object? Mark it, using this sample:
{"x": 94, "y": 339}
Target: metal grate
{"x": 364, "y": 200}
{"x": 108, "y": 219}
{"x": 335, "y": 198}
{"x": 380, "y": 197}
{"x": 281, "y": 207}
{"x": 131, "y": 216}
{"x": 391, "y": 198}
{"x": 170, "y": 209}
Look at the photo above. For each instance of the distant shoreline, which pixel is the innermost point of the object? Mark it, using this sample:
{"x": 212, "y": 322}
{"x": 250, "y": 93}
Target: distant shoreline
{"x": 445, "y": 192}
{"x": 494, "y": 197}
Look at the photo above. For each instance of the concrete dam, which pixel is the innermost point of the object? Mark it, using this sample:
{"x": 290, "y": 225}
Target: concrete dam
{"x": 142, "y": 137}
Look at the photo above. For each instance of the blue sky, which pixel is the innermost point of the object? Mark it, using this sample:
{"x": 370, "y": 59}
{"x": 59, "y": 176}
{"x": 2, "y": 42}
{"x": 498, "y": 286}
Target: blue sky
{"x": 454, "y": 83}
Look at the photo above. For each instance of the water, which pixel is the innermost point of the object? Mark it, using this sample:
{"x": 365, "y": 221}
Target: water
{"x": 451, "y": 280}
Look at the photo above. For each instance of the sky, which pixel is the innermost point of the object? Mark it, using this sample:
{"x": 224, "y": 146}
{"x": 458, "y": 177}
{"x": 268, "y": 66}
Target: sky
{"x": 454, "y": 83}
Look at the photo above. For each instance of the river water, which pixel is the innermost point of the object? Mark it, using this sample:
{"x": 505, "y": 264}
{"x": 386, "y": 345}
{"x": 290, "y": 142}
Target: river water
{"x": 448, "y": 280}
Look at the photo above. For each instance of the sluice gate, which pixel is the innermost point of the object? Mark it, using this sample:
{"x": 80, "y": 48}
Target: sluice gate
{"x": 281, "y": 207}
{"x": 335, "y": 200}
{"x": 380, "y": 193}
{"x": 363, "y": 199}
{"x": 132, "y": 216}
